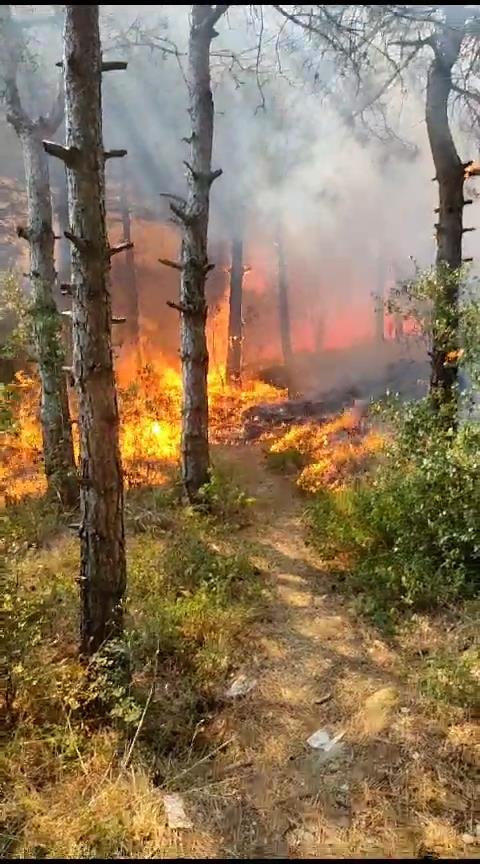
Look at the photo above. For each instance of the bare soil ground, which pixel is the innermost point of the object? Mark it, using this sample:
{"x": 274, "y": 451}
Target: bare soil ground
{"x": 402, "y": 784}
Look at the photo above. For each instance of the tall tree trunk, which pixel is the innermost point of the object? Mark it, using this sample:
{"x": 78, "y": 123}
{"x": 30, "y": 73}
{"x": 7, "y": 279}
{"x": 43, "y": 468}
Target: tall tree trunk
{"x": 132, "y": 313}
{"x": 449, "y": 228}
{"x": 55, "y": 419}
{"x": 283, "y": 302}
{"x": 194, "y": 265}
{"x": 102, "y": 566}
{"x": 234, "y": 351}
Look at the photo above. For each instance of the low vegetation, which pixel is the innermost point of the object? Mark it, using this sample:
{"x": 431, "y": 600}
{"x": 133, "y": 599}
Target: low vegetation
{"x": 192, "y": 594}
{"x": 407, "y": 535}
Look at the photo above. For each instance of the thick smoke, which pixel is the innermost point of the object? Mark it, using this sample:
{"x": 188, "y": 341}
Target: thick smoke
{"x": 355, "y": 209}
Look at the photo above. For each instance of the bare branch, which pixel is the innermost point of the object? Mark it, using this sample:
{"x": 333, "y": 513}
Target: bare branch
{"x": 23, "y": 233}
{"x": 174, "y": 264}
{"x": 216, "y": 13}
{"x": 114, "y": 154}
{"x": 181, "y": 214}
{"x": 120, "y": 247}
{"x": 79, "y": 242}
{"x": 173, "y": 197}
{"x": 114, "y": 65}
{"x": 68, "y": 155}
{"x": 179, "y": 307}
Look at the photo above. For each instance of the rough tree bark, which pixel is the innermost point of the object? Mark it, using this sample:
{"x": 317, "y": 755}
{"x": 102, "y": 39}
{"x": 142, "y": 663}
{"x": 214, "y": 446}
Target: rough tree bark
{"x": 54, "y": 413}
{"x": 283, "y": 301}
{"x": 193, "y": 215}
{"x": 102, "y": 566}
{"x": 450, "y": 175}
{"x": 234, "y": 350}
{"x": 62, "y": 248}
{"x": 132, "y": 313}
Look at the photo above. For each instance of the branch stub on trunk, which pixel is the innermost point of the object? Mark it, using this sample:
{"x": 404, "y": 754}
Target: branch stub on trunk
{"x": 68, "y": 155}
{"x": 80, "y": 243}
{"x": 176, "y": 265}
{"x": 114, "y": 154}
{"x": 120, "y": 247}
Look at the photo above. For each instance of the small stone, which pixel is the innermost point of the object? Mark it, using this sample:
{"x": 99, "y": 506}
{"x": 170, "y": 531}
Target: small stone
{"x": 468, "y": 839}
{"x": 240, "y": 687}
{"x": 319, "y": 740}
{"x": 175, "y": 812}
{"x": 328, "y": 747}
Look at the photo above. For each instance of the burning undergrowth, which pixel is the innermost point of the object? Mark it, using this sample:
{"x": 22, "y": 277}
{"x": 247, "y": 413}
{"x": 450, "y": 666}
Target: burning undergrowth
{"x": 150, "y": 426}
{"x": 328, "y": 453}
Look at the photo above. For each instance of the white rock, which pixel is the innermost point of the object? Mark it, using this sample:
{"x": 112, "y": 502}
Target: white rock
{"x": 468, "y": 839}
{"x": 319, "y": 740}
{"x": 175, "y": 812}
{"x": 334, "y": 744}
{"x": 240, "y": 687}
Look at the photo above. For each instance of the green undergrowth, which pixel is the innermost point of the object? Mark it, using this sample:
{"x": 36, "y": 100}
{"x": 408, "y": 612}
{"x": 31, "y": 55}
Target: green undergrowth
{"x": 192, "y": 595}
{"x": 406, "y": 536}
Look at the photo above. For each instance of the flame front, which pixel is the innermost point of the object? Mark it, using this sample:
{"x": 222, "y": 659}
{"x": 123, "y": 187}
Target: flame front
{"x": 150, "y": 426}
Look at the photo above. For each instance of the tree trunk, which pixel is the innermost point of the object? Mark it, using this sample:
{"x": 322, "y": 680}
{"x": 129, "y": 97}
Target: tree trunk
{"x": 132, "y": 313}
{"x": 194, "y": 218}
{"x": 102, "y": 566}
{"x": 55, "y": 419}
{"x": 283, "y": 302}
{"x": 234, "y": 351}
{"x": 449, "y": 228}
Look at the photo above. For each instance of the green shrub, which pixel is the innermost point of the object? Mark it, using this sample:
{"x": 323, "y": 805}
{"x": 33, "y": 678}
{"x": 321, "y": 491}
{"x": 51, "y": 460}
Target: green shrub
{"x": 286, "y": 460}
{"x": 411, "y": 531}
{"x": 8, "y": 398}
{"x": 223, "y": 498}
{"x": 454, "y": 679}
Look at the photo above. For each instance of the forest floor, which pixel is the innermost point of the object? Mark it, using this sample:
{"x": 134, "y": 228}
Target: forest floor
{"x": 401, "y": 781}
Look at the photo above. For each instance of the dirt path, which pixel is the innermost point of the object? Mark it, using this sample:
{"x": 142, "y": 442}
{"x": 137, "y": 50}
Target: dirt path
{"x": 317, "y": 667}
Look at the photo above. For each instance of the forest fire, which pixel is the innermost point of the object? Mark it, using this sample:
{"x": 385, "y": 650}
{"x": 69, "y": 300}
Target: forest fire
{"x": 149, "y": 426}
{"x": 326, "y": 454}
{"x": 239, "y": 431}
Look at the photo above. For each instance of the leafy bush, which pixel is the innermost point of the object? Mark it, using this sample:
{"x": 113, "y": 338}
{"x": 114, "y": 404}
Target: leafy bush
{"x": 15, "y": 314}
{"x": 454, "y": 679}
{"x": 409, "y": 534}
{"x": 223, "y": 498}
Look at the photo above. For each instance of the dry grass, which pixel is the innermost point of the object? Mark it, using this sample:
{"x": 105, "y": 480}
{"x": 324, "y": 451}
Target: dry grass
{"x": 403, "y": 783}
{"x": 327, "y": 454}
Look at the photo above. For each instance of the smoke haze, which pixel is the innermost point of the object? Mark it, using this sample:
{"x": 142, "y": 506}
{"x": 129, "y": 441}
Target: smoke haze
{"x": 354, "y": 209}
